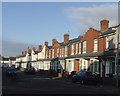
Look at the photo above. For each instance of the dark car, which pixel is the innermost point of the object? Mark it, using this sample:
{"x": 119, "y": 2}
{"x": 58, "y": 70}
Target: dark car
{"x": 85, "y": 77}
{"x": 30, "y": 70}
{"x": 11, "y": 71}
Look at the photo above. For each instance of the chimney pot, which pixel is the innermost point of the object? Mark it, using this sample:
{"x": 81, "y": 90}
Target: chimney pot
{"x": 39, "y": 47}
{"x": 46, "y": 43}
{"x": 34, "y": 49}
{"x": 29, "y": 51}
{"x": 53, "y": 41}
{"x": 104, "y": 24}
{"x": 66, "y": 38}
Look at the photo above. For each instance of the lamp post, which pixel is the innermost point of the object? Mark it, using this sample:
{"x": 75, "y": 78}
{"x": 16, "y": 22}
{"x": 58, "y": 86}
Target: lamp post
{"x": 117, "y": 56}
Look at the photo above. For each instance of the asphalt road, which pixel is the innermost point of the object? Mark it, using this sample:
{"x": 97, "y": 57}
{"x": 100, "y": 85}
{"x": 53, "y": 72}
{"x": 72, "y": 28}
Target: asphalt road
{"x": 41, "y": 84}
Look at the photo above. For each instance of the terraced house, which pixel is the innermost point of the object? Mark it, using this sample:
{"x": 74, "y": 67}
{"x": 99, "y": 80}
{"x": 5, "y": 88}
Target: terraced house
{"x": 95, "y": 51}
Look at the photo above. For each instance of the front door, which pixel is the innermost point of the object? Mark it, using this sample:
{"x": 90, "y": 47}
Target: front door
{"x": 76, "y": 65}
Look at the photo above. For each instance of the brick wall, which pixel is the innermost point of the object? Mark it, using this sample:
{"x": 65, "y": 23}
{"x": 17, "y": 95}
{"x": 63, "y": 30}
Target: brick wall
{"x": 89, "y": 37}
{"x": 101, "y": 44}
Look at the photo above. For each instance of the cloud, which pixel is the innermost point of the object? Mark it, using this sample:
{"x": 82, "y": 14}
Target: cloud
{"x": 85, "y": 17}
{"x": 12, "y": 48}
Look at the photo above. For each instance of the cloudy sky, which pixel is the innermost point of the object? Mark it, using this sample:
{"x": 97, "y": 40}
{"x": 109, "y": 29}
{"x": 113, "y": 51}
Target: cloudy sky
{"x": 30, "y": 24}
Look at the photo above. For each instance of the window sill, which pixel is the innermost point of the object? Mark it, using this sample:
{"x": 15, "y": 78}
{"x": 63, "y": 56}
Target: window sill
{"x": 72, "y": 54}
{"x": 95, "y": 51}
{"x": 84, "y": 52}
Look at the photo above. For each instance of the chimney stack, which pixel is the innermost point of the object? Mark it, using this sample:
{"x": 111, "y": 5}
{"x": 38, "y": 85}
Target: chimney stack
{"x": 22, "y": 52}
{"x": 46, "y": 43}
{"x": 66, "y": 38}
{"x": 29, "y": 51}
{"x": 53, "y": 41}
{"x": 34, "y": 49}
{"x": 25, "y": 52}
{"x": 104, "y": 24}
{"x": 39, "y": 47}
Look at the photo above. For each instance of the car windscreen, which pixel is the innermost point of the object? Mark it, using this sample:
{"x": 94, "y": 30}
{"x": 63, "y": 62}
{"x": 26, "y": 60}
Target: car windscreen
{"x": 89, "y": 74}
{"x": 81, "y": 73}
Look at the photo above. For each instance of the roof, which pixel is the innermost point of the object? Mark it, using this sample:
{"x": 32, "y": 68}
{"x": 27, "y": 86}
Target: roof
{"x": 115, "y": 26}
{"x": 108, "y": 32}
{"x": 49, "y": 47}
{"x": 85, "y": 55}
{"x": 36, "y": 52}
{"x": 71, "y": 41}
{"x": 74, "y": 40}
{"x": 5, "y": 58}
{"x": 12, "y": 58}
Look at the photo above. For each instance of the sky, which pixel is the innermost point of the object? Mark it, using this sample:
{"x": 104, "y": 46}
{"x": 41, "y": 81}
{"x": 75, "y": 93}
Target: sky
{"x": 29, "y": 24}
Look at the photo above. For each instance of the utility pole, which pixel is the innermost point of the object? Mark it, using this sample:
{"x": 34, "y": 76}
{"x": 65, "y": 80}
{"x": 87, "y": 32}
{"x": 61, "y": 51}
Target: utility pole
{"x": 117, "y": 52}
{"x": 117, "y": 60}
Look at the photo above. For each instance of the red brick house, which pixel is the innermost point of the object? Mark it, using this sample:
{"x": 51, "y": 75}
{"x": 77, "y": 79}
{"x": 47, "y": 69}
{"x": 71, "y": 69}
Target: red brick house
{"x": 87, "y": 52}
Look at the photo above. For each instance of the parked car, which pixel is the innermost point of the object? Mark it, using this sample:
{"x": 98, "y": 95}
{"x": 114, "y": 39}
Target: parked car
{"x": 65, "y": 73}
{"x": 11, "y": 71}
{"x": 30, "y": 70}
{"x": 85, "y": 77}
{"x": 73, "y": 73}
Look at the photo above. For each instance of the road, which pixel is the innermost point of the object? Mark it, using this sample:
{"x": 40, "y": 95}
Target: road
{"x": 39, "y": 84}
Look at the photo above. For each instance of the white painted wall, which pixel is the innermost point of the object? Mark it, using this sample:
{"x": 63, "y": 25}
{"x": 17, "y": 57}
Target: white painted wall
{"x": 69, "y": 65}
{"x": 41, "y": 54}
{"x": 83, "y": 63}
{"x": 97, "y": 61}
{"x": 47, "y": 65}
{"x": 107, "y": 67}
{"x": 34, "y": 56}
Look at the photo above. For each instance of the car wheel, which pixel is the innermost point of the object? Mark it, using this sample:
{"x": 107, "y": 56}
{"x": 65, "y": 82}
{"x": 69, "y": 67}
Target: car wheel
{"x": 82, "y": 82}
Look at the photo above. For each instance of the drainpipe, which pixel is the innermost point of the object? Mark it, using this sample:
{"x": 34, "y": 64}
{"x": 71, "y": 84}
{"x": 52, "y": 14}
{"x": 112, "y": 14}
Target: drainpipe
{"x": 117, "y": 57}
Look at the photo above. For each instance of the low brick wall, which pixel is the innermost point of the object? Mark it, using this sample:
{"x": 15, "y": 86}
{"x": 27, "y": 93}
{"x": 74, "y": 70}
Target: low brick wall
{"x": 110, "y": 81}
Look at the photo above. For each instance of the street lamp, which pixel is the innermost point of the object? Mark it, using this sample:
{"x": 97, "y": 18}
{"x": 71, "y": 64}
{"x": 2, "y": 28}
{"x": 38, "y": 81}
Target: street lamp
{"x": 117, "y": 55}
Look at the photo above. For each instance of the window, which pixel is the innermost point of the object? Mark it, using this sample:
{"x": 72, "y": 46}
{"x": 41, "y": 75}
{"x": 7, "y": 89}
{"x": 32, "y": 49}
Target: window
{"x": 107, "y": 43}
{"x": 95, "y": 45}
{"x": 84, "y": 47}
{"x": 76, "y": 48}
{"x": 62, "y": 52}
{"x": 80, "y": 48}
{"x": 72, "y": 49}
{"x": 84, "y": 66}
{"x": 95, "y": 66}
{"x": 58, "y": 52}
{"x": 52, "y": 53}
{"x": 80, "y": 64}
{"x": 66, "y": 50}
{"x": 49, "y": 53}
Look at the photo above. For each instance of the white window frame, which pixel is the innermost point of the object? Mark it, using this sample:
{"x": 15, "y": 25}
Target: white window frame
{"x": 49, "y": 53}
{"x": 72, "y": 51}
{"x": 80, "y": 48}
{"x": 66, "y": 50}
{"x": 52, "y": 53}
{"x": 57, "y": 52}
{"x": 95, "y": 45}
{"x": 76, "y": 48}
{"x": 107, "y": 43}
{"x": 84, "y": 46}
{"x": 62, "y": 52}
